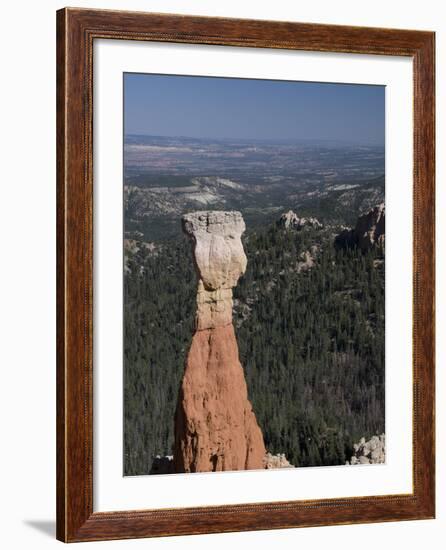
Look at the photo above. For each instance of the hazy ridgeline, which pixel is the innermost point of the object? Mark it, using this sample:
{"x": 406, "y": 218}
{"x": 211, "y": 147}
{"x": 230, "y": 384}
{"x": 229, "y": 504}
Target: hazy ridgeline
{"x": 311, "y": 342}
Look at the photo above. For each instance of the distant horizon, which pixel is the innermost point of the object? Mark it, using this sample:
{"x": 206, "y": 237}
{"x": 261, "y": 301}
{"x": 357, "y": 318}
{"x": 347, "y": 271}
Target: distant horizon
{"x": 255, "y": 139}
{"x": 223, "y": 108}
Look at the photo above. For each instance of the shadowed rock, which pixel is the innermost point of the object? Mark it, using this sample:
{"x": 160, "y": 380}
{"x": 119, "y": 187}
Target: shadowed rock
{"x": 162, "y": 465}
{"x": 368, "y": 233}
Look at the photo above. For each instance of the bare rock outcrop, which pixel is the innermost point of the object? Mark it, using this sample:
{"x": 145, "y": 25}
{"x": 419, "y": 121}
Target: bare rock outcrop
{"x": 290, "y": 220}
{"x": 368, "y": 233}
{"x": 307, "y": 259}
{"x": 215, "y": 426}
{"x": 272, "y": 462}
{"x": 372, "y": 451}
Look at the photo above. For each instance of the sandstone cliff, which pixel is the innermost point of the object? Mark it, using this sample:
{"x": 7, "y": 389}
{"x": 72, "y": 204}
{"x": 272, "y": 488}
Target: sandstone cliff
{"x": 215, "y": 426}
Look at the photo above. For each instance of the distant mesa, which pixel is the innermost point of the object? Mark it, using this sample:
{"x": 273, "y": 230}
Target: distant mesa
{"x": 290, "y": 220}
{"x": 368, "y": 233}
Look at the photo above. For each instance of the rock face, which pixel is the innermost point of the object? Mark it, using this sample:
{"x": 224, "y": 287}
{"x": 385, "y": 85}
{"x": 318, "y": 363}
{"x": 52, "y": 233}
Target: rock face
{"x": 368, "y": 233}
{"x": 370, "y": 452}
{"x": 215, "y": 426}
{"x": 290, "y": 220}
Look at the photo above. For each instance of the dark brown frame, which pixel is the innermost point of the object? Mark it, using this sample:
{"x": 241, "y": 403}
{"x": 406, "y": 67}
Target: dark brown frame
{"x": 76, "y": 31}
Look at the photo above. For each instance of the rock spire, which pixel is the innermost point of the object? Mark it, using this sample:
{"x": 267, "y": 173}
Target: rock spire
{"x": 215, "y": 426}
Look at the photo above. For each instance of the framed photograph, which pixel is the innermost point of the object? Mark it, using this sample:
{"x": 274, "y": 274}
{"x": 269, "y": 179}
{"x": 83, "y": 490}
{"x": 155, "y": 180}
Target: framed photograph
{"x": 245, "y": 275}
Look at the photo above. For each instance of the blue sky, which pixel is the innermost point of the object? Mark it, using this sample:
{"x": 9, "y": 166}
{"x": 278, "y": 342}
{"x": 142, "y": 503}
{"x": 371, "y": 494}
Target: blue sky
{"x": 209, "y": 107}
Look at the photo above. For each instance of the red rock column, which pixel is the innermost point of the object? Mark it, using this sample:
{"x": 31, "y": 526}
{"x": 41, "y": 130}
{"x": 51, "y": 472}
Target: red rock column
{"x": 215, "y": 426}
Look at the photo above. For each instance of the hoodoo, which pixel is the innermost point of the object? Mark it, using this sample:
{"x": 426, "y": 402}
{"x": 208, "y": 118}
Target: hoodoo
{"x": 215, "y": 426}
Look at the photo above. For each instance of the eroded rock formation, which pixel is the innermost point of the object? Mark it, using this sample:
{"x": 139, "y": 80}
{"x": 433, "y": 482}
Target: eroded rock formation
{"x": 215, "y": 426}
{"x": 219, "y": 260}
{"x": 272, "y": 462}
{"x": 290, "y": 220}
{"x": 369, "y": 231}
{"x": 372, "y": 451}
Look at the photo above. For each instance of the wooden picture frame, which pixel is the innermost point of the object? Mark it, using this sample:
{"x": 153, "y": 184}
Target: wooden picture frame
{"x": 76, "y": 31}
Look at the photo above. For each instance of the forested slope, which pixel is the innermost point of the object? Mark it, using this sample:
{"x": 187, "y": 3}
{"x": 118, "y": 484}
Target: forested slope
{"x": 310, "y": 328}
